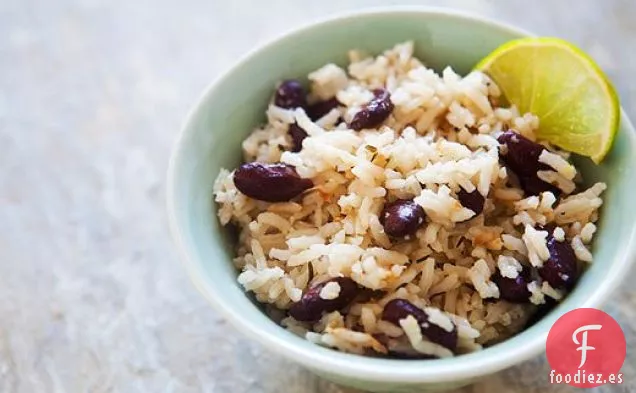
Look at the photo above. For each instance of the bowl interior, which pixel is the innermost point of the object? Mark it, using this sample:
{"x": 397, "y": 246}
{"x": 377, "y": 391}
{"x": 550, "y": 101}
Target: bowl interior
{"x": 231, "y": 108}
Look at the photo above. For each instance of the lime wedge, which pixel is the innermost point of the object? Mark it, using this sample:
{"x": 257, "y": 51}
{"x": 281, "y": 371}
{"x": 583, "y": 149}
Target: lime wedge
{"x": 577, "y": 106}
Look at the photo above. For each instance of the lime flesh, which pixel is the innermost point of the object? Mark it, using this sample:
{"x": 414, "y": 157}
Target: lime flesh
{"x": 577, "y": 107}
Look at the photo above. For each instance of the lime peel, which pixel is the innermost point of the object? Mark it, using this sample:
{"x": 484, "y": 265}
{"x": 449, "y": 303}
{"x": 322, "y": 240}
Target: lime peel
{"x": 577, "y": 106}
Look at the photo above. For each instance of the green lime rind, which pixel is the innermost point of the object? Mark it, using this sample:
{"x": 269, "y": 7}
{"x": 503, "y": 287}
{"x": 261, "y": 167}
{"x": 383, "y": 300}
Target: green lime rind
{"x": 578, "y": 107}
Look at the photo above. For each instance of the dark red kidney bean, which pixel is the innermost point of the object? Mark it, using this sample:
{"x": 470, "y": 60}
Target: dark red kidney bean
{"x": 560, "y": 270}
{"x": 521, "y": 155}
{"x": 367, "y": 294}
{"x": 471, "y": 200}
{"x": 532, "y": 185}
{"x": 290, "y": 94}
{"x": 319, "y": 109}
{"x": 270, "y": 182}
{"x": 298, "y": 135}
{"x": 398, "y": 309}
{"x": 401, "y": 218}
{"x": 374, "y": 112}
{"x": 549, "y": 227}
{"x": 514, "y": 289}
{"x": 311, "y": 306}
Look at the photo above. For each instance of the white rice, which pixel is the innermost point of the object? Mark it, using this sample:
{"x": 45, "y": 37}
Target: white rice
{"x": 441, "y": 137}
{"x": 587, "y": 232}
{"x": 561, "y": 166}
{"x": 581, "y": 252}
{"x": 479, "y": 276}
{"x": 551, "y": 292}
{"x": 439, "y": 318}
{"x": 412, "y": 330}
{"x": 537, "y": 295}
{"x": 330, "y": 291}
{"x": 535, "y": 241}
{"x": 559, "y": 234}
{"x": 557, "y": 179}
{"x": 508, "y": 266}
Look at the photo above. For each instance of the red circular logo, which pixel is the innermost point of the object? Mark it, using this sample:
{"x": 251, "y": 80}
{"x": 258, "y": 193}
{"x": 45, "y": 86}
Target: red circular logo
{"x": 586, "y": 348}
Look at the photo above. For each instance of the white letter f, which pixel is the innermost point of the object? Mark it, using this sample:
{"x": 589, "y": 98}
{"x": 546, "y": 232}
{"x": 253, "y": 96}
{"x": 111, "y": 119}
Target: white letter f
{"x": 584, "y": 347}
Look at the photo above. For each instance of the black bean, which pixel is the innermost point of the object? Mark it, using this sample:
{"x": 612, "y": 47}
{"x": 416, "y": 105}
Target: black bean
{"x": 290, "y": 94}
{"x": 402, "y": 217}
{"x": 521, "y": 155}
{"x": 298, "y": 135}
{"x": 471, "y": 200}
{"x": 270, "y": 182}
{"x": 374, "y": 112}
{"x": 560, "y": 270}
{"x": 311, "y": 306}
{"x": 514, "y": 289}
{"x": 319, "y": 109}
{"x": 398, "y": 309}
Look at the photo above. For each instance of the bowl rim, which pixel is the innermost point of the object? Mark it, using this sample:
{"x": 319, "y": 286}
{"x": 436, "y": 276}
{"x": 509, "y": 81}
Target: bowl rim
{"x": 356, "y": 366}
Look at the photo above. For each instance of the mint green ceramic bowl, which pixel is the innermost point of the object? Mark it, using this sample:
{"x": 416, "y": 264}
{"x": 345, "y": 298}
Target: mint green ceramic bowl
{"x": 231, "y": 107}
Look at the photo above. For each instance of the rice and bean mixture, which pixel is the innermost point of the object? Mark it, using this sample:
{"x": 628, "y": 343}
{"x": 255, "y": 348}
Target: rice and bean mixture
{"x": 392, "y": 211}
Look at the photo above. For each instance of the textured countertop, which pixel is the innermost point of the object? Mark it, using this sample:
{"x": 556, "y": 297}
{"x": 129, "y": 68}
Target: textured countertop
{"x": 92, "y": 93}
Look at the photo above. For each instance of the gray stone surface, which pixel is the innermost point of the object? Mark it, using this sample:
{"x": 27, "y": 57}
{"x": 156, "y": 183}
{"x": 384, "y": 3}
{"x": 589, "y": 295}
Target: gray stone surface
{"x": 92, "y": 93}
